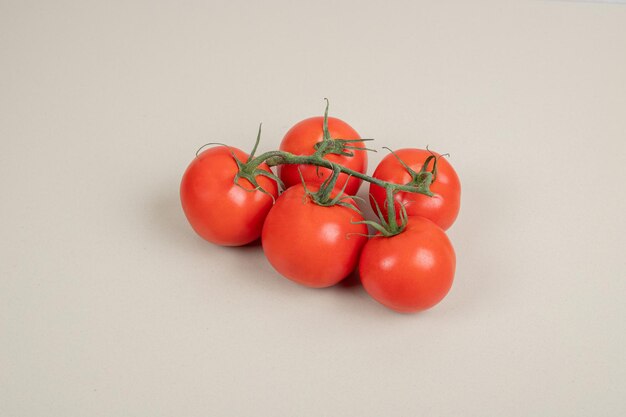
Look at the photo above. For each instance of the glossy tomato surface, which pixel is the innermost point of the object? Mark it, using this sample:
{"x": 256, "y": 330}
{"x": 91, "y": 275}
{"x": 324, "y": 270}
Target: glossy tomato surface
{"x": 411, "y": 271}
{"x": 310, "y": 244}
{"x": 442, "y": 208}
{"x": 301, "y": 139}
{"x": 219, "y": 210}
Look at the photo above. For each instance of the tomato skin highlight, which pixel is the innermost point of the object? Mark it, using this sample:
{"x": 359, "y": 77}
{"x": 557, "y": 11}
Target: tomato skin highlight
{"x": 312, "y": 245}
{"x": 219, "y": 210}
{"x": 442, "y": 208}
{"x": 301, "y": 139}
{"x": 411, "y": 271}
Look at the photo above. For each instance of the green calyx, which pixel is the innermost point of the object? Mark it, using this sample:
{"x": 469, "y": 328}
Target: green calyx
{"x": 251, "y": 171}
{"x": 328, "y": 145}
{"x": 340, "y": 147}
{"x": 423, "y": 178}
{"x": 322, "y": 197}
{"x": 389, "y": 225}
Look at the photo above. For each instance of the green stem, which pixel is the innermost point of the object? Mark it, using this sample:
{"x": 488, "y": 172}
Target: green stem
{"x": 328, "y": 185}
{"x": 391, "y": 209}
{"x": 273, "y": 158}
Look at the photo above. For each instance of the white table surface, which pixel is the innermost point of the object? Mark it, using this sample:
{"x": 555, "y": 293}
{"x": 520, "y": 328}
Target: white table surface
{"x": 111, "y": 306}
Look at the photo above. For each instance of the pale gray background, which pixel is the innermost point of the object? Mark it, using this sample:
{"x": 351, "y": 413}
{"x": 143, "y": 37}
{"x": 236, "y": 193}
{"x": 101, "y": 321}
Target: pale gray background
{"x": 111, "y": 306}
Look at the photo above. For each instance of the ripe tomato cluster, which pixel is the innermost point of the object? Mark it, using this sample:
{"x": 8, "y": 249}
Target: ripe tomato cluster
{"x": 313, "y": 233}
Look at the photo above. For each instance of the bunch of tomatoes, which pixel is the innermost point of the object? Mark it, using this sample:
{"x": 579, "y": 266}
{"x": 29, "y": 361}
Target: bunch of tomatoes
{"x": 313, "y": 232}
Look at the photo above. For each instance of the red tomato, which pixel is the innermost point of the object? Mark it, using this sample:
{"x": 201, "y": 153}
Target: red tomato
{"x": 301, "y": 139}
{"x": 219, "y": 210}
{"x": 442, "y": 208}
{"x": 313, "y": 245}
{"x": 411, "y": 271}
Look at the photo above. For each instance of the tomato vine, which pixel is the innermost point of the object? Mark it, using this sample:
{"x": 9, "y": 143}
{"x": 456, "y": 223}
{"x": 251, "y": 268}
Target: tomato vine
{"x": 389, "y": 226}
